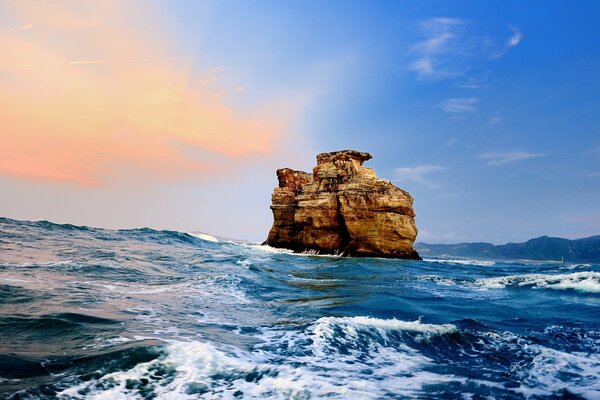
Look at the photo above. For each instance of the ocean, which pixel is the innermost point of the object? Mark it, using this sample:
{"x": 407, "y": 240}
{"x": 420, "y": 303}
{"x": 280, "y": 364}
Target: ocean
{"x": 89, "y": 313}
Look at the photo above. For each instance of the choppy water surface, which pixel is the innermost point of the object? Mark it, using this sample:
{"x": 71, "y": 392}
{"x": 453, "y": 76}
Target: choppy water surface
{"x": 141, "y": 314}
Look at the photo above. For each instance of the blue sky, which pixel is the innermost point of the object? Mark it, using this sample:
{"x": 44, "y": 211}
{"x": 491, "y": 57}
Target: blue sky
{"x": 488, "y": 113}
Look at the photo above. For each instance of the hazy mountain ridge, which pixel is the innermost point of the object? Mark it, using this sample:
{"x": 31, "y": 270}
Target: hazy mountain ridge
{"x": 541, "y": 248}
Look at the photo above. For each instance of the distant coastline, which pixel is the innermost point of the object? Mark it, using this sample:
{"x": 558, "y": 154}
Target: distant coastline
{"x": 544, "y": 248}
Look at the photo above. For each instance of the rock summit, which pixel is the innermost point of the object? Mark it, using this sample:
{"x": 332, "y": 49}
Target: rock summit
{"x": 342, "y": 208}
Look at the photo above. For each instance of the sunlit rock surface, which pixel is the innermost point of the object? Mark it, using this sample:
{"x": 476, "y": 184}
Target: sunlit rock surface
{"x": 342, "y": 208}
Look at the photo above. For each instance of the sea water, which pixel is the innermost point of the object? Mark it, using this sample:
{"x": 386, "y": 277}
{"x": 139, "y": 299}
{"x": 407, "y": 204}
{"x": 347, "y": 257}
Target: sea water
{"x": 91, "y": 313}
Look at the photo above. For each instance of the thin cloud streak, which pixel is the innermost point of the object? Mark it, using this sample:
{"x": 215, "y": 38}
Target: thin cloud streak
{"x": 417, "y": 174}
{"x": 88, "y": 62}
{"x": 441, "y": 36}
{"x": 497, "y": 158}
{"x": 460, "y": 105}
{"x": 516, "y": 38}
{"x": 511, "y": 42}
{"x": 450, "y": 49}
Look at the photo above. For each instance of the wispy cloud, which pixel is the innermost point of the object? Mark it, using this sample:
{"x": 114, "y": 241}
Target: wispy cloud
{"x": 497, "y": 158}
{"x": 473, "y": 82}
{"x": 594, "y": 175}
{"x": 451, "y": 141}
{"x": 417, "y": 174}
{"x": 25, "y": 27}
{"x": 511, "y": 42}
{"x": 516, "y": 38}
{"x": 460, "y": 105}
{"x": 450, "y": 48}
{"x": 440, "y": 40}
{"x": 87, "y": 62}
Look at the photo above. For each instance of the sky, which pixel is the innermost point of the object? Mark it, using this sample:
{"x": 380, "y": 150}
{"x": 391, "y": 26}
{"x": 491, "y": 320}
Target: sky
{"x": 176, "y": 114}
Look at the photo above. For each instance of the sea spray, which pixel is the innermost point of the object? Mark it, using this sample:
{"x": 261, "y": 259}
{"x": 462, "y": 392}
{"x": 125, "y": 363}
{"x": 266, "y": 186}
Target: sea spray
{"x": 89, "y": 313}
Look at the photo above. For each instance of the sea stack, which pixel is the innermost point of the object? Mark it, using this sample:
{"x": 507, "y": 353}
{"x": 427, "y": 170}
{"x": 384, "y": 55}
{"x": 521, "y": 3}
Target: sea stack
{"x": 342, "y": 208}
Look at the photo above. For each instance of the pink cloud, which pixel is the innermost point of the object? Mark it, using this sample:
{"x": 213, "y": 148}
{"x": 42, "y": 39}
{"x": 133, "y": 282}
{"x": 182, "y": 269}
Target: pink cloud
{"x": 88, "y": 98}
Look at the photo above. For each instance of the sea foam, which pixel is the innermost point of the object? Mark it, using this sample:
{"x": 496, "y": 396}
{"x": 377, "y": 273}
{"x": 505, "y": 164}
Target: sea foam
{"x": 326, "y": 323}
{"x": 204, "y": 236}
{"x": 587, "y": 282}
{"x": 482, "y": 263}
{"x": 316, "y": 362}
{"x": 191, "y": 370}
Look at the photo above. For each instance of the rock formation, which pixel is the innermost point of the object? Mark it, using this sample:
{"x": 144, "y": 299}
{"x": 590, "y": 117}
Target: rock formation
{"x": 342, "y": 208}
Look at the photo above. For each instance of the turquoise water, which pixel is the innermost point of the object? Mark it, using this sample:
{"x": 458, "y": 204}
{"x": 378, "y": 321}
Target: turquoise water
{"x": 141, "y": 314}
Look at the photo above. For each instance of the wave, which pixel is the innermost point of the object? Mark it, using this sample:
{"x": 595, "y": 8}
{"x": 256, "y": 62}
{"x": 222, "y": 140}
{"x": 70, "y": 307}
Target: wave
{"x": 378, "y": 338}
{"x": 324, "y": 325}
{"x": 349, "y": 357}
{"x": 545, "y": 371}
{"x": 227, "y": 287}
{"x": 204, "y": 236}
{"x": 162, "y": 314}
{"x": 345, "y": 357}
{"x": 461, "y": 261}
{"x": 575, "y": 266}
{"x": 160, "y": 236}
{"x": 586, "y": 282}
{"x": 43, "y": 230}
{"x": 285, "y": 364}
{"x": 439, "y": 280}
{"x": 199, "y": 369}
{"x": 275, "y": 250}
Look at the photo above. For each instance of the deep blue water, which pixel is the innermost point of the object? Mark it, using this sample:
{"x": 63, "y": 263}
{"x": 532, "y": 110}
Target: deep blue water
{"x": 142, "y": 314}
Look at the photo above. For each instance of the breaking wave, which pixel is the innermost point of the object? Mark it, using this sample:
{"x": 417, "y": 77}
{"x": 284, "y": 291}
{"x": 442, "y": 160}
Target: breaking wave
{"x": 318, "y": 361}
{"x": 90, "y": 313}
{"x": 482, "y": 263}
{"x": 587, "y": 282}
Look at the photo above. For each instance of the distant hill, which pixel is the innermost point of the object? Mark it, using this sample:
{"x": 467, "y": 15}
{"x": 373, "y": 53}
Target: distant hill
{"x": 543, "y": 249}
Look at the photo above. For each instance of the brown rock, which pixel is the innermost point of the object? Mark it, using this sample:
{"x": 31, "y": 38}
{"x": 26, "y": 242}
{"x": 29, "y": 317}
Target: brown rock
{"x": 342, "y": 208}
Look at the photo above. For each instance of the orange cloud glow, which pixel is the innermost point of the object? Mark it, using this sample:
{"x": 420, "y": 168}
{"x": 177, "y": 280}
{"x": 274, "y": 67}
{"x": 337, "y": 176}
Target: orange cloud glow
{"x": 85, "y": 95}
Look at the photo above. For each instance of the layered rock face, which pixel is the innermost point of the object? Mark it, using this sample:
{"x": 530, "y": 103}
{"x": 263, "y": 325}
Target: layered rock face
{"x": 342, "y": 208}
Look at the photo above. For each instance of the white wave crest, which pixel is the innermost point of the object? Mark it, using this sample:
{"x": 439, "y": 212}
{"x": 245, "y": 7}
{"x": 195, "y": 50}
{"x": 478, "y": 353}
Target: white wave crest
{"x": 439, "y": 280}
{"x": 575, "y": 266}
{"x": 274, "y": 250}
{"x": 303, "y": 370}
{"x": 10, "y": 279}
{"x": 366, "y": 332}
{"x": 549, "y": 367}
{"x": 227, "y": 288}
{"x": 550, "y": 371}
{"x": 326, "y": 323}
{"x": 267, "y": 248}
{"x": 204, "y": 236}
{"x": 194, "y": 366}
{"x": 587, "y": 282}
{"x": 461, "y": 261}
{"x": 243, "y": 263}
